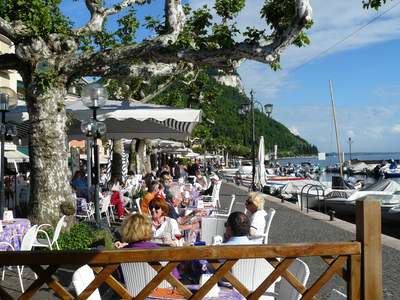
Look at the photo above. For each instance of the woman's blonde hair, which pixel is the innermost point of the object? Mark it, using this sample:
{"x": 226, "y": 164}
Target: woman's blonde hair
{"x": 136, "y": 228}
{"x": 257, "y": 199}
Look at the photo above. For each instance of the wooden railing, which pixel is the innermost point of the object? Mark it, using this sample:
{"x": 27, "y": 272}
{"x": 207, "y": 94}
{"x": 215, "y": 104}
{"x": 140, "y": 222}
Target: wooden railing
{"x": 350, "y": 260}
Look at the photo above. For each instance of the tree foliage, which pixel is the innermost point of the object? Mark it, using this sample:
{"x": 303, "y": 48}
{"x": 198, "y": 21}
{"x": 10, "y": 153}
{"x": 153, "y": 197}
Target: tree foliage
{"x": 51, "y": 53}
{"x": 228, "y": 130}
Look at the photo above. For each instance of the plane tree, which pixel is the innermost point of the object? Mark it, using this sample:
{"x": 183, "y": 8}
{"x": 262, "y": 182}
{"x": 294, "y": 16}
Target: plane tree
{"x": 50, "y": 53}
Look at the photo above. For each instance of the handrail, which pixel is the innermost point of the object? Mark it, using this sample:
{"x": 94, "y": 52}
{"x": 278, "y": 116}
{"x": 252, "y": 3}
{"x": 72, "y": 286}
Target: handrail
{"x": 338, "y": 256}
{"x": 97, "y": 257}
{"x": 310, "y": 188}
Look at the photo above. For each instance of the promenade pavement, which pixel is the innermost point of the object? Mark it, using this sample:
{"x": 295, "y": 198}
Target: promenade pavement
{"x": 288, "y": 226}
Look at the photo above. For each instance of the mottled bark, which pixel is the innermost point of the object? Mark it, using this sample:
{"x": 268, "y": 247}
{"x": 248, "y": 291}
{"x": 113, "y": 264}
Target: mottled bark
{"x": 116, "y": 166}
{"x": 132, "y": 157}
{"x": 48, "y": 156}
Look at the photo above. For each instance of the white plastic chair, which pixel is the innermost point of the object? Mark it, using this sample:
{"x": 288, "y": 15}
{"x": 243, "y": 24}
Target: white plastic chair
{"x": 252, "y": 272}
{"x": 10, "y": 247}
{"x": 268, "y": 220}
{"x": 263, "y": 238}
{"x": 212, "y": 226}
{"x": 104, "y": 208}
{"x": 286, "y": 291}
{"x": 214, "y": 198}
{"x": 137, "y": 275}
{"x": 336, "y": 295}
{"x": 47, "y": 242}
{"x": 26, "y": 245}
{"x": 87, "y": 211}
{"x": 81, "y": 278}
{"x": 230, "y": 208}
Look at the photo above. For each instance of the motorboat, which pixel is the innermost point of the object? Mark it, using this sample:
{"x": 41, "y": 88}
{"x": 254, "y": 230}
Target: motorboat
{"x": 386, "y": 191}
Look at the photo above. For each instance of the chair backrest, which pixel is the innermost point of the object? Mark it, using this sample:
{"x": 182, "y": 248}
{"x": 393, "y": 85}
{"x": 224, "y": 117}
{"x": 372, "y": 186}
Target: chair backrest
{"x": 212, "y": 226}
{"x": 286, "y": 291}
{"x": 105, "y": 203}
{"x": 336, "y": 295}
{"x": 268, "y": 220}
{"x": 57, "y": 231}
{"x": 231, "y": 205}
{"x": 252, "y": 272}
{"x": 81, "y": 278}
{"x": 137, "y": 200}
{"x": 137, "y": 275}
{"x": 28, "y": 239}
{"x": 4, "y": 246}
{"x": 215, "y": 193}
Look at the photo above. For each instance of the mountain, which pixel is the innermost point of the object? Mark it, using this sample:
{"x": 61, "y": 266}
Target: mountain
{"x": 222, "y": 126}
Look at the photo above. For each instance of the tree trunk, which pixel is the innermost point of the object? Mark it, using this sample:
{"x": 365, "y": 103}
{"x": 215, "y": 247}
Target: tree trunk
{"x": 141, "y": 148}
{"x": 48, "y": 157}
{"x": 116, "y": 166}
{"x": 132, "y": 157}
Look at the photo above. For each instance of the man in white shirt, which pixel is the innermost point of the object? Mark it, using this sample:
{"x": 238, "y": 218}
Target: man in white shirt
{"x": 237, "y": 229}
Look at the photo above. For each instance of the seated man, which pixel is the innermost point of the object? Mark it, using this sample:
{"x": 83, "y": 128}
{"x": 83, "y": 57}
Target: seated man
{"x": 214, "y": 179}
{"x": 237, "y": 229}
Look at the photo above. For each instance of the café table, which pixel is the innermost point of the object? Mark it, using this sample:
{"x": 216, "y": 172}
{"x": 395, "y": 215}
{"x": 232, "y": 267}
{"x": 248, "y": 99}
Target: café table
{"x": 13, "y": 231}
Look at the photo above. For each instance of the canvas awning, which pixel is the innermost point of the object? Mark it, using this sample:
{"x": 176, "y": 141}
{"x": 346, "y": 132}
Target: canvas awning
{"x": 123, "y": 120}
{"x": 15, "y": 156}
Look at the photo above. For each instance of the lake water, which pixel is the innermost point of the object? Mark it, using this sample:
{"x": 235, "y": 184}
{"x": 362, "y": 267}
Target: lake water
{"x": 333, "y": 159}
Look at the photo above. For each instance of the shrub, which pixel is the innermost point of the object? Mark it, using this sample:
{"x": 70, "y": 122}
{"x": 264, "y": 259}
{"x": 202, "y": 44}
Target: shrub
{"x": 84, "y": 236}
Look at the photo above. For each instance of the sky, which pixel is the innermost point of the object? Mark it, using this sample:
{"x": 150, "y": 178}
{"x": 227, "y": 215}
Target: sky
{"x": 356, "y": 49}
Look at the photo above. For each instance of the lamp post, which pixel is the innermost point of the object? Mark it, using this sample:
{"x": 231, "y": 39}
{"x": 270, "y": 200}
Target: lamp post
{"x": 243, "y": 110}
{"x": 94, "y": 96}
{"x": 8, "y": 101}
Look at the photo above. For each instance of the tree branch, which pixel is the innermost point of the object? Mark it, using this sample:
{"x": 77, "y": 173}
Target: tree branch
{"x": 98, "y": 14}
{"x": 157, "y": 50}
{"x": 13, "y": 30}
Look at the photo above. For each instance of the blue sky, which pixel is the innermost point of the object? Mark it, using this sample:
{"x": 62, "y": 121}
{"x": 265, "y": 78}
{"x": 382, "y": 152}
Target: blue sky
{"x": 364, "y": 70}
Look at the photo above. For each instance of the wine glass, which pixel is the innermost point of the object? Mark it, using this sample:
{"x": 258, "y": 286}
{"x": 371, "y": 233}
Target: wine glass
{"x": 178, "y": 236}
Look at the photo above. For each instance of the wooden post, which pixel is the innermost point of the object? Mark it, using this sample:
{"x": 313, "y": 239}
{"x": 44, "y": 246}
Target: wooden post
{"x": 368, "y": 232}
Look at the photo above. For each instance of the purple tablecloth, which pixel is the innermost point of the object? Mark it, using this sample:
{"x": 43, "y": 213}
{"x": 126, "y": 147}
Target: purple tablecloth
{"x": 14, "y": 231}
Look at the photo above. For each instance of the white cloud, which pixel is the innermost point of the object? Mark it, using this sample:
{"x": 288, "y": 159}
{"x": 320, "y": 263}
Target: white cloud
{"x": 336, "y": 30}
{"x": 396, "y": 128}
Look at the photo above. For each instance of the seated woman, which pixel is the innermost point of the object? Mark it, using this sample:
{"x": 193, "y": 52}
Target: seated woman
{"x": 137, "y": 233}
{"x": 164, "y": 228}
{"x": 256, "y": 213}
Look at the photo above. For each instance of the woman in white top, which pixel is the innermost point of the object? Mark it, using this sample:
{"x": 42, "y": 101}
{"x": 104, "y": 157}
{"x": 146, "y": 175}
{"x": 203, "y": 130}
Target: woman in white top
{"x": 165, "y": 229}
{"x": 256, "y": 213}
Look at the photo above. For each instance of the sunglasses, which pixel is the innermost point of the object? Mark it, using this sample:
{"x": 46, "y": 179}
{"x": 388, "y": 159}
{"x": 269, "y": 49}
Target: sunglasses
{"x": 155, "y": 207}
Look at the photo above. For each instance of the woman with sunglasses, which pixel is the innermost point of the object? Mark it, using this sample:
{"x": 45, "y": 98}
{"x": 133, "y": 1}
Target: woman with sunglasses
{"x": 256, "y": 213}
{"x": 165, "y": 229}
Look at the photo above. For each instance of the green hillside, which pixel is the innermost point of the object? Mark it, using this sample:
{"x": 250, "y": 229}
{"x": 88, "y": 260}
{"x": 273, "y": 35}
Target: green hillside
{"x": 223, "y": 127}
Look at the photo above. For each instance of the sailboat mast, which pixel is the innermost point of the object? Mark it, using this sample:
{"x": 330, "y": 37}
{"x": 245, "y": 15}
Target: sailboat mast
{"x": 336, "y": 130}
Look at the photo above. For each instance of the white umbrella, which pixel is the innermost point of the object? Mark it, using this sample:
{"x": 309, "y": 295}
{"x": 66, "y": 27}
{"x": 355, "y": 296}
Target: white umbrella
{"x": 192, "y": 155}
{"x": 123, "y": 120}
{"x": 260, "y": 169}
{"x": 15, "y": 156}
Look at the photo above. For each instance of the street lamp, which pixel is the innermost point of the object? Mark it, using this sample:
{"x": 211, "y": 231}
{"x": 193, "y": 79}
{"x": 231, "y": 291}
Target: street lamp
{"x": 94, "y": 96}
{"x": 8, "y": 101}
{"x": 243, "y": 110}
